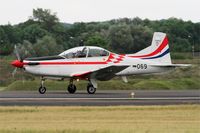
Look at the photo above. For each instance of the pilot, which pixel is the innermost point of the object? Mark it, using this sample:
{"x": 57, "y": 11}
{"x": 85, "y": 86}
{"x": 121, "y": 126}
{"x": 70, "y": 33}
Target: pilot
{"x": 81, "y": 43}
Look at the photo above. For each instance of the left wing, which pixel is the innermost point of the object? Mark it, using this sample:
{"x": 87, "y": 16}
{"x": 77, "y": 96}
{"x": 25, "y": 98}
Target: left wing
{"x": 103, "y": 74}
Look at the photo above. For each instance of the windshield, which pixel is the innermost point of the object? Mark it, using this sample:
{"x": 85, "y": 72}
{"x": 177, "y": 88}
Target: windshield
{"x": 79, "y": 52}
{"x": 83, "y": 52}
{"x": 95, "y": 52}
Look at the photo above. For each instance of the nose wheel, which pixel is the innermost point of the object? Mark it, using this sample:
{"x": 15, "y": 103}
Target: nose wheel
{"x": 42, "y": 88}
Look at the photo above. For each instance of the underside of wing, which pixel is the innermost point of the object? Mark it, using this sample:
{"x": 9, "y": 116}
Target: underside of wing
{"x": 103, "y": 74}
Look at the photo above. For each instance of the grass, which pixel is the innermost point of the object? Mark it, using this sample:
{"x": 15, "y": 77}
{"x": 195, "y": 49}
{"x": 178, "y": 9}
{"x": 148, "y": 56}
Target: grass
{"x": 181, "y": 55}
{"x": 117, "y": 119}
{"x": 2, "y": 88}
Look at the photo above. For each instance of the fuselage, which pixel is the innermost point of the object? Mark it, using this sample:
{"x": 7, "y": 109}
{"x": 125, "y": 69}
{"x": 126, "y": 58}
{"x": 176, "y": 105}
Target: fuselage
{"x": 64, "y": 67}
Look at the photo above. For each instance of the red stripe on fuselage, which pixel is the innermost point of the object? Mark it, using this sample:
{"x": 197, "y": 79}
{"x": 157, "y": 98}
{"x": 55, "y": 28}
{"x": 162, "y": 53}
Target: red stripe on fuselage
{"x": 159, "y": 49}
{"x": 69, "y": 63}
{"x": 111, "y": 56}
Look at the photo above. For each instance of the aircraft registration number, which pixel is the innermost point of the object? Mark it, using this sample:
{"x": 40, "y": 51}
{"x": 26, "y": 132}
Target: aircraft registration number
{"x": 141, "y": 66}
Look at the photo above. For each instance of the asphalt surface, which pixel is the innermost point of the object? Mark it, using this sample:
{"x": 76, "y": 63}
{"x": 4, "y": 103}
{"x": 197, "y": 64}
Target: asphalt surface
{"x": 101, "y": 98}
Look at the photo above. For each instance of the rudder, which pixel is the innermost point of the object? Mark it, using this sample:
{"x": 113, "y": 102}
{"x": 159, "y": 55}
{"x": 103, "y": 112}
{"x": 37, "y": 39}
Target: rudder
{"x": 158, "y": 51}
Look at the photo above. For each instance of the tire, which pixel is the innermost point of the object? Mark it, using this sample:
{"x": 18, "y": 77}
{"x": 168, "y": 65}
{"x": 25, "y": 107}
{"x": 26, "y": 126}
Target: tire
{"x": 91, "y": 89}
{"x": 42, "y": 90}
{"x": 71, "y": 88}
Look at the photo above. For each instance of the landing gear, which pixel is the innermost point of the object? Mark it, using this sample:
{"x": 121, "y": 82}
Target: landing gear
{"x": 71, "y": 87}
{"x": 91, "y": 89}
{"x": 42, "y": 88}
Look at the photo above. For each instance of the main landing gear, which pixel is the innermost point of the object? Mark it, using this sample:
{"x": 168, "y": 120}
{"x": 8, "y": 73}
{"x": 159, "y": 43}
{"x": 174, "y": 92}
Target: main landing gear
{"x": 91, "y": 87}
{"x": 71, "y": 87}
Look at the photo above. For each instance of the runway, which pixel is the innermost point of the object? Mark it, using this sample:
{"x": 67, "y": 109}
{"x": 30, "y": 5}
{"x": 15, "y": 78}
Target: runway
{"x": 101, "y": 98}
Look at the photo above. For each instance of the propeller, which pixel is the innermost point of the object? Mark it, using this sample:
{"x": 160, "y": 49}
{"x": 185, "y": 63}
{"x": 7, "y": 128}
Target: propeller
{"x": 14, "y": 72}
{"x": 16, "y": 51}
{"x": 17, "y": 63}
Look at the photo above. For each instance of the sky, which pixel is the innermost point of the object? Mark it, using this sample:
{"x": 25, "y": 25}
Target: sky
{"x": 70, "y": 11}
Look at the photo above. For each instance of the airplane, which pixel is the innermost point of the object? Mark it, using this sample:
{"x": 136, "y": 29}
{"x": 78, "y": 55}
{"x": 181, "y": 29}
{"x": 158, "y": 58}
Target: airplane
{"x": 93, "y": 63}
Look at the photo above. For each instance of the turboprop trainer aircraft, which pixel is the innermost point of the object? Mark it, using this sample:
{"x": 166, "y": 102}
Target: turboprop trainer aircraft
{"x": 94, "y": 63}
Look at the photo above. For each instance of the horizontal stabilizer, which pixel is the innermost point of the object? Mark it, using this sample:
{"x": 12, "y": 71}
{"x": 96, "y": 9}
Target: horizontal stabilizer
{"x": 172, "y": 65}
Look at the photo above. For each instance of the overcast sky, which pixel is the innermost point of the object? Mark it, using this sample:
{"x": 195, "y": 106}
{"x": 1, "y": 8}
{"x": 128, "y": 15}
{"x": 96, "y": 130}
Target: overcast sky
{"x": 16, "y": 11}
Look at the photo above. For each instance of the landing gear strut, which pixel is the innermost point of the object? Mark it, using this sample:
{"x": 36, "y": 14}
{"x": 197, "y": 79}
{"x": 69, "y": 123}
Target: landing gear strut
{"x": 42, "y": 88}
{"x": 71, "y": 87}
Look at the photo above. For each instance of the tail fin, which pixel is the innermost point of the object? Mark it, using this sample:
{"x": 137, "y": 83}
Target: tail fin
{"x": 158, "y": 51}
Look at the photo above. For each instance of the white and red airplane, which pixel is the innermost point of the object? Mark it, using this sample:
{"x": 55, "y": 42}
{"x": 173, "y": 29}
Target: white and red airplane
{"x": 94, "y": 63}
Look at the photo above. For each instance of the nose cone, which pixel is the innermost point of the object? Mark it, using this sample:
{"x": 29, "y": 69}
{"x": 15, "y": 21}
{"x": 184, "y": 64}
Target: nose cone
{"x": 17, "y": 63}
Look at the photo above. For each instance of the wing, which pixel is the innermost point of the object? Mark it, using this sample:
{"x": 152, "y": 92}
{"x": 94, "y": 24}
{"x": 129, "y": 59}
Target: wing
{"x": 103, "y": 74}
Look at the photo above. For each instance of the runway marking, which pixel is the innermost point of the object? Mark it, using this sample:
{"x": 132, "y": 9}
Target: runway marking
{"x": 160, "y": 98}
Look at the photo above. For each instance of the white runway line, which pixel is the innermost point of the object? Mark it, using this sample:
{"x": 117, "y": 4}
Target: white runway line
{"x": 160, "y": 98}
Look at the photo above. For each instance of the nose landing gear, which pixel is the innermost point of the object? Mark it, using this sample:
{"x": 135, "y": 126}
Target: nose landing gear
{"x": 42, "y": 88}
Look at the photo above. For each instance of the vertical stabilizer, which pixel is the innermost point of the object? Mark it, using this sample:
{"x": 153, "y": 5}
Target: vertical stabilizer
{"x": 158, "y": 51}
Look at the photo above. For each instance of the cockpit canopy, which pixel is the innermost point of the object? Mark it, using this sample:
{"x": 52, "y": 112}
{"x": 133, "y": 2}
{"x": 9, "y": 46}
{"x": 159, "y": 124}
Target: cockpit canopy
{"x": 85, "y": 51}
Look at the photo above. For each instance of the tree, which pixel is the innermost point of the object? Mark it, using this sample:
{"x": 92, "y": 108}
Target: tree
{"x": 120, "y": 38}
{"x": 97, "y": 40}
{"x": 3, "y": 36}
{"x": 5, "y": 47}
{"x": 45, "y": 17}
{"x": 182, "y": 45}
{"x": 33, "y": 32}
{"x": 142, "y": 37}
{"x": 47, "y": 46}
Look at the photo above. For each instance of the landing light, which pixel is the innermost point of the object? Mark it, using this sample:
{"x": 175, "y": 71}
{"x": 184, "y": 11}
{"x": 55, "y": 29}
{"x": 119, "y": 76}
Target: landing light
{"x": 132, "y": 94}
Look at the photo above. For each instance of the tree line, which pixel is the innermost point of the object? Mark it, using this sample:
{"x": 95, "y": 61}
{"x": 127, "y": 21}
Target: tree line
{"x": 43, "y": 34}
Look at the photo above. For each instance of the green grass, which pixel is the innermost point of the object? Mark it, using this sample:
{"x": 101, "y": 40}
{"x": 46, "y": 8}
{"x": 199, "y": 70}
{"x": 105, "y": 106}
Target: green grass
{"x": 2, "y": 88}
{"x": 116, "y": 119}
{"x": 181, "y": 55}
{"x": 184, "y": 83}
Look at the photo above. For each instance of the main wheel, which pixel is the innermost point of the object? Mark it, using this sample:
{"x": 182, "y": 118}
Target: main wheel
{"x": 71, "y": 88}
{"x": 91, "y": 89}
{"x": 42, "y": 90}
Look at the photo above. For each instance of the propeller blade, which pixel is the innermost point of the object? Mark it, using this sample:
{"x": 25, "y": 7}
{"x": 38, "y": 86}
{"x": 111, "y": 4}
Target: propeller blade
{"x": 17, "y": 53}
{"x": 14, "y": 72}
{"x": 23, "y": 78}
